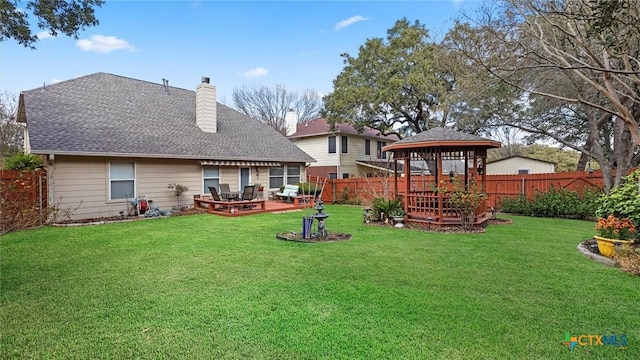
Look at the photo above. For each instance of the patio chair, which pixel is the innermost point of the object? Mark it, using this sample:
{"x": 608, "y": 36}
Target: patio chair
{"x": 256, "y": 190}
{"x": 216, "y": 197}
{"x": 247, "y": 194}
{"x": 224, "y": 188}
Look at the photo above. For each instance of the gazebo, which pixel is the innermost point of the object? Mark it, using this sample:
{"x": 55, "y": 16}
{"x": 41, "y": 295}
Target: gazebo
{"x": 435, "y": 159}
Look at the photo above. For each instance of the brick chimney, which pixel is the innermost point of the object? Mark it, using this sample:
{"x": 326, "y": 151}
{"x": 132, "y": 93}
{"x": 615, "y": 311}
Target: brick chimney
{"x": 206, "y": 106}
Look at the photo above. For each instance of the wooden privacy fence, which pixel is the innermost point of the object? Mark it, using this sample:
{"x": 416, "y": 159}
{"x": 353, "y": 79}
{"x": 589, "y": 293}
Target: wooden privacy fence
{"x": 23, "y": 199}
{"x": 497, "y": 186}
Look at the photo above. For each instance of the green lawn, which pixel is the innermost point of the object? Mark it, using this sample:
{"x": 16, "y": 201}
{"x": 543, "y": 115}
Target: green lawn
{"x": 208, "y": 287}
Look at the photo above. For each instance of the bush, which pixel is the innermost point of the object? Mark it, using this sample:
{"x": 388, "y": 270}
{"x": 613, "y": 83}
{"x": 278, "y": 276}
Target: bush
{"x": 554, "y": 202}
{"x": 623, "y": 201}
{"x": 307, "y": 188}
{"x": 22, "y": 161}
{"x": 384, "y": 208}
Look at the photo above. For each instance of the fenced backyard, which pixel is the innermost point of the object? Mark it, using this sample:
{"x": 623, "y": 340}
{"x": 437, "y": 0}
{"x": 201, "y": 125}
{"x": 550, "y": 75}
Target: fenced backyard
{"x": 497, "y": 186}
{"x": 205, "y": 286}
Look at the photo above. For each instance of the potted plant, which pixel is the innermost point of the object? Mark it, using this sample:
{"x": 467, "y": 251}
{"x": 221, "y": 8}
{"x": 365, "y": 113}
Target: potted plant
{"x": 398, "y": 217}
{"x": 613, "y": 231}
{"x": 178, "y": 190}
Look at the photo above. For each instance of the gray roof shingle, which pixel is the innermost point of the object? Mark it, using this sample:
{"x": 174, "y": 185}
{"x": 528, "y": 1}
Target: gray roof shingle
{"x": 438, "y": 134}
{"x": 105, "y": 114}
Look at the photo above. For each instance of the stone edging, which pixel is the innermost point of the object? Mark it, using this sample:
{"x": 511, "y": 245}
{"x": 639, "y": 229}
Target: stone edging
{"x": 599, "y": 258}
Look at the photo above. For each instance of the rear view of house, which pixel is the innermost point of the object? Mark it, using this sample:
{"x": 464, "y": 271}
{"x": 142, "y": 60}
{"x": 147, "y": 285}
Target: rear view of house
{"x": 106, "y": 139}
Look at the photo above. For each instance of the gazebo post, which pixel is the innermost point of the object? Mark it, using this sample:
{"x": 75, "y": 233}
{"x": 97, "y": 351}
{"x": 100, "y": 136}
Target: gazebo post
{"x": 407, "y": 178}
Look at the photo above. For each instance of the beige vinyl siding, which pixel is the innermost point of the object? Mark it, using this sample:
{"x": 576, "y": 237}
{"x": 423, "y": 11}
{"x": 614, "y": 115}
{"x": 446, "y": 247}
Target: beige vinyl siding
{"x": 512, "y": 165}
{"x": 356, "y": 152}
{"x": 80, "y": 185}
{"x": 318, "y": 148}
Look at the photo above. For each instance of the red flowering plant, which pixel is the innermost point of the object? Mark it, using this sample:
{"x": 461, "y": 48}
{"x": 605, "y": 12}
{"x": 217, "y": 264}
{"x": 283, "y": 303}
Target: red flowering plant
{"x": 614, "y": 228}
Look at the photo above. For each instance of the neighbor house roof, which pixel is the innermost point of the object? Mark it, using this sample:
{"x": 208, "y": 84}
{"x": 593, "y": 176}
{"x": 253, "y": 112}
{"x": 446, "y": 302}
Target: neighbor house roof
{"x": 440, "y": 136}
{"x": 110, "y": 115}
{"x": 520, "y": 157}
{"x": 320, "y": 126}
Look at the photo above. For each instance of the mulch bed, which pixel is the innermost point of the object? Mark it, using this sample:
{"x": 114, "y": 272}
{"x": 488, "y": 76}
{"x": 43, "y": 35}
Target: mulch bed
{"x": 114, "y": 219}
{"x": 292, "y": 236}
{"x": 452, "y": 229}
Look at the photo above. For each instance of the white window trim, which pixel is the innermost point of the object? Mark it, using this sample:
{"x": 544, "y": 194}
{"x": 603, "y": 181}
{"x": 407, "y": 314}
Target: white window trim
{"x": 135, "y": 182}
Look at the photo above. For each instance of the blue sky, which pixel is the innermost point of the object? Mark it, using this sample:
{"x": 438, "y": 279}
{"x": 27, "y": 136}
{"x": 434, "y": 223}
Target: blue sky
{"x": 240, "y": 43}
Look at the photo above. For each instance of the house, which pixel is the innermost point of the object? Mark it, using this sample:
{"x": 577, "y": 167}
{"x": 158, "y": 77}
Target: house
{"x": 519, "y": 165}
{"x": 342, "y": 153}
{"x": 106, "y": 139}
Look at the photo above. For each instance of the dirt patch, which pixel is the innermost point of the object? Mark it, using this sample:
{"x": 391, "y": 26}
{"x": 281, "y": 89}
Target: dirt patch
{"x": 292, "y": 236}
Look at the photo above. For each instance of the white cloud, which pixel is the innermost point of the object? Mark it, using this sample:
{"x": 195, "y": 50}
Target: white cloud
{"x": 350, "y": 21}
{"x": 44, "y": 35}
{"x": 104, "y": 44}
{"x": 257, "y": 72}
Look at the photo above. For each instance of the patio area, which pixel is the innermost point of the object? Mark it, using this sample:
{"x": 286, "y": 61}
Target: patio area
{"x": 244, "y": 208}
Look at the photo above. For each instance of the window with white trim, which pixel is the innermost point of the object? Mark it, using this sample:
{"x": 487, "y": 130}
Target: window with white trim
{"x": 332, "y": 144}
{"x": 344, "y": 146}
{"x": 367, "y": 147}
{"x": 284, "y": 175}
{"x": 210, "y": 178}
{"x": 122, "y": 180}
{"x": 381, "y": 154}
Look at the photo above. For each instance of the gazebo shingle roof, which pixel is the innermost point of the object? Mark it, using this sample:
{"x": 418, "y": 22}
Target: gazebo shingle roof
{"x": 440, "y": 136}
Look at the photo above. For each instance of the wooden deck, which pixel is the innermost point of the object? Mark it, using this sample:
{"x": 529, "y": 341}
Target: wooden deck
{"x": 238, "y": 208}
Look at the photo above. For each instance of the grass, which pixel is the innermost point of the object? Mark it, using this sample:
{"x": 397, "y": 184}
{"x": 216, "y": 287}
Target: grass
{"x": 204, "y": 286}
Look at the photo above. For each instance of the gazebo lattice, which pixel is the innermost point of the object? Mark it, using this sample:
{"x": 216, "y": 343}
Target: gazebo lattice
{"x": 422, "y": 202}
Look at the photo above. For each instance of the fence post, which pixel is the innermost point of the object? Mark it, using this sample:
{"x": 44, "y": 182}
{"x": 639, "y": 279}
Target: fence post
{"x": 40, "y": 197}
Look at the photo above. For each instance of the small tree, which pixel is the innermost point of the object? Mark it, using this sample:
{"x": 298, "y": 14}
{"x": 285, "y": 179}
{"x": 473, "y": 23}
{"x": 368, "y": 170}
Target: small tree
{"x": 178, "y": 190}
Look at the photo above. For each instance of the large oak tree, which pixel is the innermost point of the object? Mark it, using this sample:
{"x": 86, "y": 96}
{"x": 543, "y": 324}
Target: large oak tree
{"x": 53, "y": 16}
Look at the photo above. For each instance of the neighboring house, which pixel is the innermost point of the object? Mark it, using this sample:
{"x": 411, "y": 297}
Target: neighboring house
{"x": 106, "y": 139}
{"x": 519, "y": 165}
{"x": 342, "y": 153}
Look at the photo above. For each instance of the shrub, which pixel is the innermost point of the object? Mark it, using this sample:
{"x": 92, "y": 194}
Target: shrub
{"x": 178, "y": 190}
{"x": 622, "y": 201}
{"x": 554, "y": 202}
{"x": 22, "y": 161}
{"x": 308, "y": 188}
{"x": 383, "y": 208}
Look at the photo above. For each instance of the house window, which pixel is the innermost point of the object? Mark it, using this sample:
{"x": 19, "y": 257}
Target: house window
{"x": 332, "y": 144}
{"x": 345, "y": 175}
{"x": 122, "y": 180}
{"x": 333, "y": 175}
{"x": 344, "y": 144}
{"x": 523, "y": 171}
{"x": 367, "y": 147}
{"x": 293, "y": 174}
{"x": 381, "y": 154}
{"x": 210, "y": 178}
{"x": 277, "y": 175}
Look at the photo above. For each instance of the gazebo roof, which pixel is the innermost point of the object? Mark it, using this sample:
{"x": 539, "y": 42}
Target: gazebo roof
{"x": 441, "y": 137}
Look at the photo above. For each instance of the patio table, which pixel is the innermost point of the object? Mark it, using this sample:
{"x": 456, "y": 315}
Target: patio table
{"x": 232, "y": 195}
